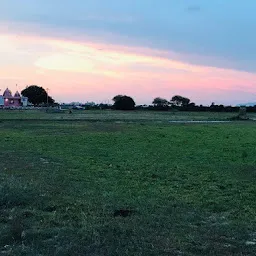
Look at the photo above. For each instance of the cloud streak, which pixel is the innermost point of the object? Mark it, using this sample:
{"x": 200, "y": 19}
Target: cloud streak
{"x": 98, "y": 71}
{"x": 222, "y": 30}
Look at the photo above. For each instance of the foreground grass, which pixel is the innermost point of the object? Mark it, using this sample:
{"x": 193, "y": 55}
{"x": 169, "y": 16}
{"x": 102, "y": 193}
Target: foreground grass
{"x": 80, "y": 188}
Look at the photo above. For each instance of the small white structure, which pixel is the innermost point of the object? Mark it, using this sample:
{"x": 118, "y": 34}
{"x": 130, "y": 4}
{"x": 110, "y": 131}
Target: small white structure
{"x": 1, "y": 101}
{"x": 24, "y": 101}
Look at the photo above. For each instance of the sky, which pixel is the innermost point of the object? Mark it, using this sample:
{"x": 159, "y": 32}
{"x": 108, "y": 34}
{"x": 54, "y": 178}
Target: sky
{"x": 92, "y": 50}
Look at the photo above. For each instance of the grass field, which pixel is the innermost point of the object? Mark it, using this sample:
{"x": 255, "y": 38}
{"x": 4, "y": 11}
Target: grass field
{"x": 110, "y": 115}
{"x": 75, "y": 187}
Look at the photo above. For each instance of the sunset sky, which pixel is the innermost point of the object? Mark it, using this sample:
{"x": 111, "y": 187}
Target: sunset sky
{"x": 91, "y": 50}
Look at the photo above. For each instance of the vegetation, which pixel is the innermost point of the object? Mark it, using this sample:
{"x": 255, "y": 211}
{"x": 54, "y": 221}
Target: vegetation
{"x": 123, "y": 102}
{"x": 178, "y": 100}
{"x": 112, "y": 188}
{"x": 119, "y": 116}
{"x": 160, "y": 103}
{"x": 37, "y": 95}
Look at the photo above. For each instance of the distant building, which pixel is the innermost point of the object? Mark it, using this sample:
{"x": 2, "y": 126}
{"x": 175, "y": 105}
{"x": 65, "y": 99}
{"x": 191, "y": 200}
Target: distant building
{"x": 9, "y": 100}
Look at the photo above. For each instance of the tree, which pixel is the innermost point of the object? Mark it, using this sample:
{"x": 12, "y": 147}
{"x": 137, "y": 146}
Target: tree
{"x": 37, "y": 95}
{"x": 123, "y": 102}
{"x": 117, "y": 97}
{"x": 180, "y": 101}
{"x": 160, "y": 102}
{"x": 192, "y": 104}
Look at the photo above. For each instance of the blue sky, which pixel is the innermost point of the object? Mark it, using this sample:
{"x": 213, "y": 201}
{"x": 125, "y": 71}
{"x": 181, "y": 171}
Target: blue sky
{"x": 210, "y": 33}
{"x": 214, "y": 28}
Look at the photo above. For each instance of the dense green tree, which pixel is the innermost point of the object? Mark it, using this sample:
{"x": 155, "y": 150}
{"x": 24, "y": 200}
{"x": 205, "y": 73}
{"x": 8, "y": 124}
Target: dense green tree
{"x": 37, "y": 95}
{"x": 180, "y": 101}
{"x": 123, "y": 102}
{"x": 160, "y": 102}
{"x": 117, "y": 97}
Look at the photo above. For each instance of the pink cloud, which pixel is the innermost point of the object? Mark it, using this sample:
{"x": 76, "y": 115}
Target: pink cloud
{"x": 81, "y": 71}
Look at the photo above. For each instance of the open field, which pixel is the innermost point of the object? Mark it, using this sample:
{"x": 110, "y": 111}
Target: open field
{"x": 110, "y": 115}
{"x": 70, "y": 187}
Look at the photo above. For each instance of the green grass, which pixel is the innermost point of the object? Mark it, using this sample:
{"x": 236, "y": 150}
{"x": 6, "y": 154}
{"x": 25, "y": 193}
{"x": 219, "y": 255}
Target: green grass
{"x": 111, "y": 115}
{"x": 190, "y": 188}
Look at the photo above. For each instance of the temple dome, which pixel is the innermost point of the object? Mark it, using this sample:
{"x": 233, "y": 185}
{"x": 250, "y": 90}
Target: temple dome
{"x": 7, "y": 93}
{"x": 17, "y": 94}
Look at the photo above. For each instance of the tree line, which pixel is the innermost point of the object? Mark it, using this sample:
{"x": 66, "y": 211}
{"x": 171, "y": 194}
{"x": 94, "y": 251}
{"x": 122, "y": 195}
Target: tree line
{"x": 177, "y": 102}
{"x": 38, "y": 96}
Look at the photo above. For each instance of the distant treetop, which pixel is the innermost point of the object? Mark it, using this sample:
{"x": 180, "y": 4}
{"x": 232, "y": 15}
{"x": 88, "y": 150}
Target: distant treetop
{"x": 123, "y": 102}
{"x": 37, "y": 95}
